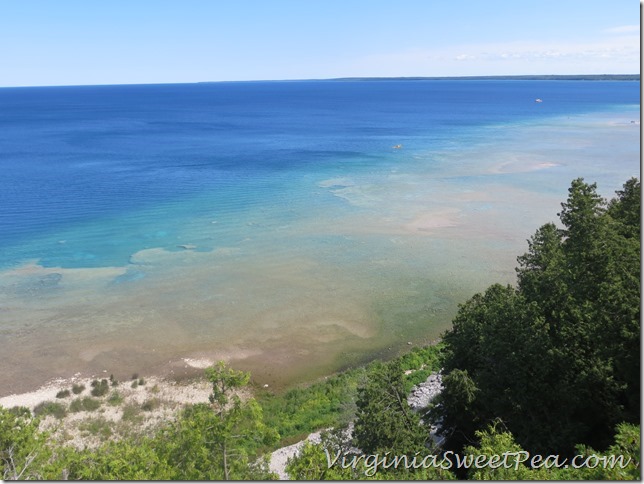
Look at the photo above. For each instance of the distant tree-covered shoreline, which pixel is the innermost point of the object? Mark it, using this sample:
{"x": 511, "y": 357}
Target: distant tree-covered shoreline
{"x": 535, "y": 77}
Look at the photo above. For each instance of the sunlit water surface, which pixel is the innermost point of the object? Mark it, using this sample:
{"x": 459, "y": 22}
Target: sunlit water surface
{"x": 290, "y": 228}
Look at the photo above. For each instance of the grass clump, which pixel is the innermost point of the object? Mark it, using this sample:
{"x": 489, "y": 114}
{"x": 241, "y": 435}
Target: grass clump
{"x": 135, "y": 384}
{"x": 113, "y": 381}
{"x": 87, "y": 404}
{"x": 115, "y": 399}
{"x": 100, "y": 388}
{"x": 77, "y": 388}
{"x": 20, "y": 411}
{"x": 56, "y": 409}
{"x": 90, "y": 404}
{"x": 155, "y": 389}
{"x": 141, "y": 381}
{"x": 63, "y": 394}
{"x": 151, "y": 404}
{"x": 76, "y": 405}
{"x": 96, "y": 426}
{"x": 132, "y": 413}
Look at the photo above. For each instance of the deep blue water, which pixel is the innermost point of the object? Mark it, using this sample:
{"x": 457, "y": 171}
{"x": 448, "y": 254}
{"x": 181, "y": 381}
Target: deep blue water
{"x": 100, "y": 154}
{"x": 274, "y": 224}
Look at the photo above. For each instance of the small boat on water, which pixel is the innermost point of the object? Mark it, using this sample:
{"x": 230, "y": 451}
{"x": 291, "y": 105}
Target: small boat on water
{"x": 397, "y": 147}
{"x": 538, "y": 100}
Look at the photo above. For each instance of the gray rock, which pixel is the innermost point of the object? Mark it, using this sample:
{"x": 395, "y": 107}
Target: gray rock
{"x": 422, "y": 394}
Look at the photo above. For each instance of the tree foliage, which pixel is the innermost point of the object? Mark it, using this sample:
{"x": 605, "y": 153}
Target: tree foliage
{"x": 219, "y": 441}
{"x": 384, "y": 419}
{"x": 125, "y": 460}
{"x": 621, "y": 461}
{"x": 22, "y": 446}
{"x": 334, "y": 458}
{"x": 557, "y": 358}
{"x": 315, "y": 461}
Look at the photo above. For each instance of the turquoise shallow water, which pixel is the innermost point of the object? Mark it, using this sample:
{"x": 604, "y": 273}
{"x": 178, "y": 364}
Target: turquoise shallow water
{"x": 274, "y": 224}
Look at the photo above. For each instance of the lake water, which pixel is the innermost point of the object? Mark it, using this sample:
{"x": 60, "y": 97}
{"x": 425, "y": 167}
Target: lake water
{"x": 291, "y": 228}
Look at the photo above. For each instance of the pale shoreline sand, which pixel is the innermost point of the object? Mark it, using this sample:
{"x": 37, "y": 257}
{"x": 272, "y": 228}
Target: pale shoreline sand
{"x": 192, "y": 392}
{"x": 136, "y": 406}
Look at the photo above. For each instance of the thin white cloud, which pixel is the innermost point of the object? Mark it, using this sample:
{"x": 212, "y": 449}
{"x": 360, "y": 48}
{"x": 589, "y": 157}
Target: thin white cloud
{"x": 623, "y": 29}
{"x": 614, "y": 54}
{"x": 620, "y": 49}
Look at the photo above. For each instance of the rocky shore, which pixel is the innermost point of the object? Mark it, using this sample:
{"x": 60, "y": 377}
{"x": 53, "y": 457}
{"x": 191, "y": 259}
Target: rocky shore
{"x": 423, "y": 393}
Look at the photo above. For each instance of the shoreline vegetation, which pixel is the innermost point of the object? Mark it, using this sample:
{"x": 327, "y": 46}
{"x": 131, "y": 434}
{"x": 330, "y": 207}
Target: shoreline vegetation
{"x": 549, "y": 367}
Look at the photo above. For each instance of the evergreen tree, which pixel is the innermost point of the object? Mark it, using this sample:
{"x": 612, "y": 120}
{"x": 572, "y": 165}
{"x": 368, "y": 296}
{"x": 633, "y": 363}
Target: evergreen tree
{"x": 558, "y": 358}
{"x": 384, "y": 420}
{"x": 219, "y": 441}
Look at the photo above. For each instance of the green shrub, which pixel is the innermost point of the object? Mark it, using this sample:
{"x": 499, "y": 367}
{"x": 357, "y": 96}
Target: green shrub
{"x": 419, "y": 357}
{"x": 91, "y": 404}
{"x": 141, "y": 381}
{"x": 131, "y": 413}
{"x": 96, "y": 426}
{"x": 330, "y": 403}
{"x": 63, "y": 394}
{"x": 151, "y": 404}
{"x": 416, "y": 377}
{"x": 135, "y": 384}
{"x": 113, "y": 381}
{"x": 76, "y": 388}
{"x": 115, "y": 398}
{"x": 20, "y": 411}
{"x": 56, "y": 409}
{"x": 76, "y": 406}
{"x": 100, "y": 388}
{"x": 87, "y": 404}
{"x": 303, "y": 410}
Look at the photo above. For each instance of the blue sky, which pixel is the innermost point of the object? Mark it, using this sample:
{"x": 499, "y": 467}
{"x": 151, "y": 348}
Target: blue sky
{"x": 68, "y": 42}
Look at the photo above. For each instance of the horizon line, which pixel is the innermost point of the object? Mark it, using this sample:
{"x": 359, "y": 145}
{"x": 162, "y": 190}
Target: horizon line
{"x": 631, "y": 77}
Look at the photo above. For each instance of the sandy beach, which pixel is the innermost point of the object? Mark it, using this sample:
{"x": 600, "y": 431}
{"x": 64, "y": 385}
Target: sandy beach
{"x": 134, "y": 405}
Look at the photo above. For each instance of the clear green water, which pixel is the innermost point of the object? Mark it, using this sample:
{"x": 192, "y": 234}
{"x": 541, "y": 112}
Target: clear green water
{"x": 275, "y": 225}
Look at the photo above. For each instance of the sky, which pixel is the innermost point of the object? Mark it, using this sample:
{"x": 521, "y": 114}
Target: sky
{"x": 73, "y": 42}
